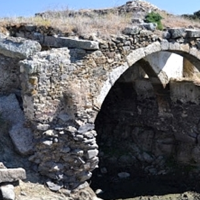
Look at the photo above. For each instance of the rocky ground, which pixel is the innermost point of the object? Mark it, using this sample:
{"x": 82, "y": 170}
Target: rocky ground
{"x": 27, "y": 190}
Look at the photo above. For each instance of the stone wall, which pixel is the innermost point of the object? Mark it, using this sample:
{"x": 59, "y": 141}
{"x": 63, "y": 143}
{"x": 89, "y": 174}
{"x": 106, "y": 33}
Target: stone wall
{"x": 53, "y": 95}
{"x": 12, "y": 50}
{"x": 63, "y": 90}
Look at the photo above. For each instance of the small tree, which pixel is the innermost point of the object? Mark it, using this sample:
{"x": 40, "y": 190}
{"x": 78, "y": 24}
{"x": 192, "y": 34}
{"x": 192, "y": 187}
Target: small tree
{"x": 154, "y": 17}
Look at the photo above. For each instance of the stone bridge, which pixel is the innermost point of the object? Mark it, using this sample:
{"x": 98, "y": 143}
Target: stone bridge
{"x": 63, "y": 90}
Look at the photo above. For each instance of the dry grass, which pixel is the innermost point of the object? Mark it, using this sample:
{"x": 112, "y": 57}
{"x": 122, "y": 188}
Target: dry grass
{"x": 173, "y": 21}
{"x": 93, "y": 24}
{"x": 99, "y": 25}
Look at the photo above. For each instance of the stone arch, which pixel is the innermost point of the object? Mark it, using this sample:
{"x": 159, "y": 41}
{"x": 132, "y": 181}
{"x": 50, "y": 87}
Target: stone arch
{"x": 184, "y": 50}
{"x": 191, "y": 54}
{"x": 82, "y": 89}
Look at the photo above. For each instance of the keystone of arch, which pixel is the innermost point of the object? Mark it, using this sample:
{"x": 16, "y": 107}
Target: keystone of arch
{"x": 134, "y": 56}
{"x": 140, "y": 53}
{"x": 152, "y": 48}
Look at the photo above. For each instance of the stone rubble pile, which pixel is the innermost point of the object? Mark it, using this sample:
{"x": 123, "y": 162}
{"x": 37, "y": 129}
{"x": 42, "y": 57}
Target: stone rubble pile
{"x": 136, "y": 7}
{"x": 73, "y": 155}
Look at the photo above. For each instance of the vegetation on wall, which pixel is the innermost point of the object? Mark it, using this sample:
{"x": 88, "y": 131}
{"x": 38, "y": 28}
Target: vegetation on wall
{"x": 154, "y": 17}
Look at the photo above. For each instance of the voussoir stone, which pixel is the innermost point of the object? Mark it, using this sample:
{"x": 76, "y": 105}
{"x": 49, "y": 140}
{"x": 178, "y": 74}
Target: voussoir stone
{"x": 11, "y": 175}
{"x": 18, "y": 47}
{"x": 152, "y": 48}
{"x": 164, "y": 44}
{"x": 135, "y": 55}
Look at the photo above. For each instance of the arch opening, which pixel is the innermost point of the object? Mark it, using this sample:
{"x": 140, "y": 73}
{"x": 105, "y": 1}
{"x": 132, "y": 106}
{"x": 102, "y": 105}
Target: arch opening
{"x": 148, "y": 132}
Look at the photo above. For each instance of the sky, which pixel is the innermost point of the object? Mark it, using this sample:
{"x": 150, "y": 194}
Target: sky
{"x": 26, "y": 8}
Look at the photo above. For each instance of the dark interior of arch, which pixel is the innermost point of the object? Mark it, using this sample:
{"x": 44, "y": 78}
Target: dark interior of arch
{"x": 149, "y": 132}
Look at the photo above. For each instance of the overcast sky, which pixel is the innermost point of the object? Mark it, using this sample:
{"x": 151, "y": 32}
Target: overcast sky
{"x": 12, "y": 8}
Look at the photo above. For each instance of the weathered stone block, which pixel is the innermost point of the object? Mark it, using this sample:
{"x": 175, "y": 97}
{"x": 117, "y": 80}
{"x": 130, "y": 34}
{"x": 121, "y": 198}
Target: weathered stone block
{"x": 137, "y": 20}
{"x": 184, "y": 47}
{"x": 135, "y": 55}
{"x": 86, "y": 128}
{"x": 164, "y": 45}
{"x": 149, "y": 26}
{"x": 166, "y": 35}
{"x": 177, "y": 32}
{"x": 7, "y": 192}
{"x": 11, "y": 175}
{"x": 191, "y": 33}
{"x": 131, "y": 30}
{"x": 81, "y": 44}
{"x": 92, "y": 153}
{"x": 18, "y": 47}
{"x": 22, "y": 138}
{"x": 174, "y": 46}
{"x": 195, "y": 52}
{"x": 152, "y": 48}
{"x": 51, "y": 41}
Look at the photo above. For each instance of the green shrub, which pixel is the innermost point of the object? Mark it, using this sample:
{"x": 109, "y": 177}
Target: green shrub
{"x": 154, "y": 17}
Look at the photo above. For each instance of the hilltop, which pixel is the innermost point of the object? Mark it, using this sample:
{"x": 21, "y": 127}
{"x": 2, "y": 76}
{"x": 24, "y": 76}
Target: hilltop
{"x": 91, "y": 23}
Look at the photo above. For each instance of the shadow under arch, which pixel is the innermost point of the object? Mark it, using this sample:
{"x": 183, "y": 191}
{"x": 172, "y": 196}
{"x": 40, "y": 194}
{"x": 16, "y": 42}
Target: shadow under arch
{"x": 126, "y": 125}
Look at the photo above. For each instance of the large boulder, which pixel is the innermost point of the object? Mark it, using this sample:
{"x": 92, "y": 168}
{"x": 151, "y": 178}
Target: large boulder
{"x": 21, "y": 136}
